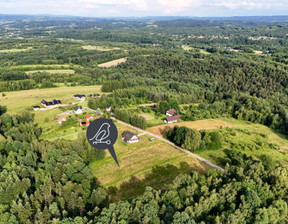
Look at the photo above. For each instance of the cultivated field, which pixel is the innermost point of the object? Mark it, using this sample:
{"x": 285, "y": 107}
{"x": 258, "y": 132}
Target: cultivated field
{"x": 53, "y": 71}
{"x": 99, "y": 48}
{"x": 15, "y": 50}
{"x": 112, "y": 63}
{"x": 43, "y": 67}
{"x": 146, "y": 163}
{"x": 199, "y": 125}
{"x": 19, "y": 100}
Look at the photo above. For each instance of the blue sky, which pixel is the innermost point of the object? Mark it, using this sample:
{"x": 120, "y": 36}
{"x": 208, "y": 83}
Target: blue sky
{"x": 111, "y": 8}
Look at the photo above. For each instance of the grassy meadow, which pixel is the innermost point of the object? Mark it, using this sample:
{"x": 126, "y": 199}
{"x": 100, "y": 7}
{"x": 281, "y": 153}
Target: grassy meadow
{"x": 20, "y": 100}
{"x": 146, "y": 163}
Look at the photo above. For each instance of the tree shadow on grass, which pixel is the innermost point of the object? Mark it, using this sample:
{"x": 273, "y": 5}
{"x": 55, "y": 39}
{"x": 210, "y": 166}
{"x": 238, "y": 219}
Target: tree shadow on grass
{"x": 157, "y": 179}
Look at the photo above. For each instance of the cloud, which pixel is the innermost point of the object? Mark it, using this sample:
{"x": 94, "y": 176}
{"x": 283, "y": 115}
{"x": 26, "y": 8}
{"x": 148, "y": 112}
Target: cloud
{"x": 144, "y": 7}
{"x": 246, "y": 4}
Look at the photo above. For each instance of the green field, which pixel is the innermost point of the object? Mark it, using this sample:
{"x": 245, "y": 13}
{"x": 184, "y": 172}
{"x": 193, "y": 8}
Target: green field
{"x": 19, "y": 100}
{"x": 53, "y": 71}
{"x": 43, "y": 67}
{"x": 100, "y": 48}
{"x": 15, "y": 50}
{"x": 146, "y": 163}
{"x": 246, "y": 137}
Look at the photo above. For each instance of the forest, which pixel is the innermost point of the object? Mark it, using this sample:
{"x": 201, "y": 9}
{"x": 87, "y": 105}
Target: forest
{"x": 204, "y": 69}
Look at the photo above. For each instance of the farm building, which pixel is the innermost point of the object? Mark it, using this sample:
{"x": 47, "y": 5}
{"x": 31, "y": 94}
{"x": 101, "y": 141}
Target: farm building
{"x": 85, "y": 123}
{"x": 130, "y": 137}
{"x": 78, "y": 110}
{"x": 79, "y": 97}
{"x": 108, "y": 108}
{"x": 36, "y": 108}
{"x": 172, "y": 119}
{"x": 63, "y": 118}
{"x": 53, "y": 103}
{"x": 171, "y": 112}
{"x": 89, "y": 117}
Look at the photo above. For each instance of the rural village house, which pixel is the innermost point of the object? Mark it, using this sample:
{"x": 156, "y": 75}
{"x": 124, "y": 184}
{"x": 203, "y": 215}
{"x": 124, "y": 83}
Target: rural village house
{"x": 36, "y": 108}
{"x": 79, "y": 97}
{"x": 84, "y": 123}
{"x": 129, "y": 137}
{"x": 78, "y": 110}
{"x": 108, "y": 108}
{"x": 172, "y": 119}
{"x": 171, "y": 112}
{"x": 53, "y": 103}
{"x": 63, "y": 118}
{"x": 89, "y": 117}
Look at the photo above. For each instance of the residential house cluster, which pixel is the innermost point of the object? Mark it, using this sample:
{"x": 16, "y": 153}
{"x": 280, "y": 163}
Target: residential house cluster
{"x": 52, "y": 103}
{"x": 172, "y": 116}
{"x": 79, "y": 96}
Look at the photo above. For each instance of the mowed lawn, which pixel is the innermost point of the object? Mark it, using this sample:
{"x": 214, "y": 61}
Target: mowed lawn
{"x": 19, "y": 100}
{"x": 146, "y": 163}
{"x": 199, "y": 125}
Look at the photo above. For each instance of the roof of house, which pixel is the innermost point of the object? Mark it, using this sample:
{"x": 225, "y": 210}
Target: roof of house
{"x": 173, "y": 118}
{"x": 128, "y": 135}
{"x": 171, "y": 111}
{"x": 53, "y": 102}
{"x": 85, "y": 122}
{"x": 62, "y": 119}
{"x": 77, "y": 108}
{"x": 79, "y": 95}
{"x": 88, "y": 116}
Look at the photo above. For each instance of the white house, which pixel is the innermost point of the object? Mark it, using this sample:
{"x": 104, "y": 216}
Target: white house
{"x": 173, "y": 119}
{"x": 171, "y": 112}
{"x": 108, "y": 108}
{"x": 62, "y": 119}
{"x": 130, "y": 137}
{"x": 78, "y": 110}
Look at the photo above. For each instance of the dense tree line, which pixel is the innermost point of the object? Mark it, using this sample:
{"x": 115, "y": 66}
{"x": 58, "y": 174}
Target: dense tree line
{"x": 193, "y": 139}
{"x": 130, "y": 118}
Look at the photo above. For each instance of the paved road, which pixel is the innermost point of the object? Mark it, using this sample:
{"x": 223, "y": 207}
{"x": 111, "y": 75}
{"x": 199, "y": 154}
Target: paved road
{"x": 176, "y": 146}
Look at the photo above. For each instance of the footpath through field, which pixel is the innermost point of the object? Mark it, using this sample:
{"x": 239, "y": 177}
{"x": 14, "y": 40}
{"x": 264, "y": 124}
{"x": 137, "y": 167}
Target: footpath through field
{"x": 176, "y": 146}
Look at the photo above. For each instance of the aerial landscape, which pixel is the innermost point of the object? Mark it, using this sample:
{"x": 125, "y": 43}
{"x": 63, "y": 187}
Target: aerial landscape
{"x": 200, "y": 104}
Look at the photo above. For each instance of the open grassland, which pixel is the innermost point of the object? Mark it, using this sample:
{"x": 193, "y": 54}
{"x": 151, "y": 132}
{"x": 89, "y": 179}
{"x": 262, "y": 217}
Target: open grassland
{"x": 251, "y": 139}
{"x": 15, "y": 50}
{"x": 187, "y": 48}
{"x": 147, "y": 116}
{"x": 53, "y": 71}
{"x": 19, "y": 100}
{"x": 99, "y": 48}
{"x": 199, "y": 125}
{"x": 43, "y": 67}
{"x": 146, "y": 163}
{"x": 112, "y": 63}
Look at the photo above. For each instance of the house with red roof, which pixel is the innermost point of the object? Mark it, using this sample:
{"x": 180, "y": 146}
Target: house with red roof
{"x": 63, "y": 118}
{"x": 171, "y": 112}
{"x": 89, "y": 117}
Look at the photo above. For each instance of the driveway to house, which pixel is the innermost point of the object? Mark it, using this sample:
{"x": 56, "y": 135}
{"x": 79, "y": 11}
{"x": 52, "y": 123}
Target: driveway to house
{"x": 171, "y": 143}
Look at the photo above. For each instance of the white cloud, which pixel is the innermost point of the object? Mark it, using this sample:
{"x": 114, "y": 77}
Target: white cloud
{"x": 144, "y": 7}
{"x": 246, "y": 4}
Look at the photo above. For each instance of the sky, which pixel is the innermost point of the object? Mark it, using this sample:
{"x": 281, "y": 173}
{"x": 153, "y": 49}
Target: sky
{"x": 138, "y": 8}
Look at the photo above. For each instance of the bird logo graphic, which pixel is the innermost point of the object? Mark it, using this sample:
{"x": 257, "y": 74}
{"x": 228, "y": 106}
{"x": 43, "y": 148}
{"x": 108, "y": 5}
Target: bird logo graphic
{"x": 102, "y": 134}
